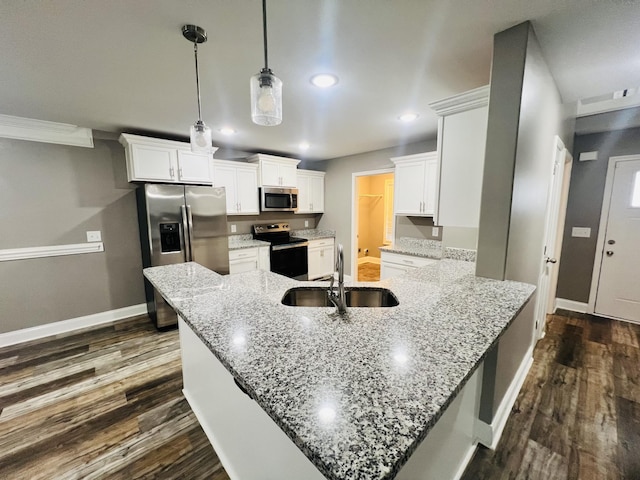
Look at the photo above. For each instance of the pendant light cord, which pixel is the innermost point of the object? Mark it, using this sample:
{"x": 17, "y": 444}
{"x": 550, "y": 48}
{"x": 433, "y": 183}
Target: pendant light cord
{"x": 264, "y": 32}
{"x": 195, "y": 51}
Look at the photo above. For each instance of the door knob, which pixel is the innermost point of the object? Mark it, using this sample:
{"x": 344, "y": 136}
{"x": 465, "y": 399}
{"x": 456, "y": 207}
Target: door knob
{"x": 609, "y": 253}
{"x": 550, "y": 260}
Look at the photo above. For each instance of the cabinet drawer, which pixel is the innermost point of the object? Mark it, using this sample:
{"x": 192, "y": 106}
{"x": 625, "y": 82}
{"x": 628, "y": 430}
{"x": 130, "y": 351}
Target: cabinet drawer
{"x": 320, "y": 243}
{"x": 243, "y": 254}
{"x": 406, "y": 260}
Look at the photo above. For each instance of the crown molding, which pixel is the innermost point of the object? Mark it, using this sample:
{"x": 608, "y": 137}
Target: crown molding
{"x": 476, "y": 98}
{"x": 611, "y": 105}
{"x": 33, "y": 130}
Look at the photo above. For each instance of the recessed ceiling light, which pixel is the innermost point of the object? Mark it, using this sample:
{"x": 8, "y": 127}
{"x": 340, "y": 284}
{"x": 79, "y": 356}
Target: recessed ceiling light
{"x": 324, "y": 80}
{"x": 227, "y": 131}
{"x": 304, "y": 145}
{"x": 408, "y": 117}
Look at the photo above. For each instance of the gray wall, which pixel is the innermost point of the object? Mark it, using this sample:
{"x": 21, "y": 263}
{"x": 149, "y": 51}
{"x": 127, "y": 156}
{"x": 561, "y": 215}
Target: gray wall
{"x": 416, "y": 227}
{"x": 584, "y": 206}
{"x": 51, "y": 195}
{"x": 525, "y": 113}
{"x": 338, "y": 187}
{"x": 296, "y": 221}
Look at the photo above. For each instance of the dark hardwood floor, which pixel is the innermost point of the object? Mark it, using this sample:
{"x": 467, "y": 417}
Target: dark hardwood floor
{"x": 107, "y": 403}
{"x": 104, "y": 403}
{"x": 578, "y": 413}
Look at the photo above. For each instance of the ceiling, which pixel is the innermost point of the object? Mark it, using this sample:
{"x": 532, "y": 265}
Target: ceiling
{"x": 122, "y": 65}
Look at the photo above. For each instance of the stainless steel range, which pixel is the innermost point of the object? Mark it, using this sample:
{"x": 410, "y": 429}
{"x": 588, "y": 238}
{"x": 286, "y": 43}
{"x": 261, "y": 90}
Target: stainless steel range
{"x": 288, "y": 254}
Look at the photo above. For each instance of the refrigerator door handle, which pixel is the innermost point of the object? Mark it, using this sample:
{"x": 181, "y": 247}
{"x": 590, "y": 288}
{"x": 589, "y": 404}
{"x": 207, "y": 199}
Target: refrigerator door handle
{"x": 186, "y": 233}
{"x": 190, "y": 222}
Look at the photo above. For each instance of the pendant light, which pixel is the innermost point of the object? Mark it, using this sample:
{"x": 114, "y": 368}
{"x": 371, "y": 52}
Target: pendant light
{"x": 266, "y": 88}
{"x": 200, "y": 134}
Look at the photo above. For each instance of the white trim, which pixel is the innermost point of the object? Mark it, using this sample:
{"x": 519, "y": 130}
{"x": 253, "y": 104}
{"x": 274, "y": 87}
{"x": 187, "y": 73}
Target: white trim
{"x": 489, "y": 435}
{"x": 571, "y": 305}
{"x": 9, "y": 254}
{"x": 466, "y": 459}
{"x": 65, "y": 326}
{"x": 33, "y": 130}
{"x": 355, "y": 211}
{"x": 416, "y": 156}
{"x": 604, "y": 219}
{"x": 585, "y": 109}
{"x": 476, "y": 98}
{"x": 369, "y": 259}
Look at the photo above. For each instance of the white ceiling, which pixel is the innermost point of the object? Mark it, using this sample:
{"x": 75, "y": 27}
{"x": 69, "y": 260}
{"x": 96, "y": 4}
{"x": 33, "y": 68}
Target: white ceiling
{"x": 123, "y": 65}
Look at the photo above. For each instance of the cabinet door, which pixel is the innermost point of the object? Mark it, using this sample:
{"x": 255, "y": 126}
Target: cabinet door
{"x": 288, "y": 175}
{"x": 388, "y": 270}
{"x": 153, "y": 163}
{"x": 326, "y": 259}
{"x": 264, "y": 261}
{"x": 247, "y": 191}
{"x": 409, "y": 188}
{"x": 225, "y": 176}
{"x": 316, "y": 194}
{"x": 431, "y": 184}
{"x": 194, "y": 167}
{"x": 314, "y": 263}
{"x": 270, "y": 173}
{"x": 243, "y": 265}
{"x": 304, "y": 197}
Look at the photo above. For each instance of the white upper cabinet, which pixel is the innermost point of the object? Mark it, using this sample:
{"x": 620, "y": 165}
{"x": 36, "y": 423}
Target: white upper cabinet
{"x": 241, "y": 184}
{"x": 462, "y": 134}
{"x": 310, "y": 191}
{"x": 157, "y": 160}
{"x": 276, "y": 171}
{"x": 416, "y": 183}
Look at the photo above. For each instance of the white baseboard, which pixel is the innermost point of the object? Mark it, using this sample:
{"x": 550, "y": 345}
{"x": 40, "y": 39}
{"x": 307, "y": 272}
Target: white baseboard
{"x": 65, "y": 326}
{"x": 571, "y": 305}
{"x": 464, "y": 463}
{"x": 375, "y": 260}
{"x": 489, "y": 435}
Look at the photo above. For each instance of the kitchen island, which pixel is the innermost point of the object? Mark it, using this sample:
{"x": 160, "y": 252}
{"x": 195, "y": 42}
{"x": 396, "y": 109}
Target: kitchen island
{"x": 357, "y": 395}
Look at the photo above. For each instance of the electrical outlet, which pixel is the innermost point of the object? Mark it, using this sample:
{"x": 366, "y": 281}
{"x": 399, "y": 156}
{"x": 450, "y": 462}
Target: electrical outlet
{"x": 435, "y": 231}
{"x": 581, "y": 232}
{"x": 94, "y": 236}
{"x": 233, "y": 228}
{"x": 306, "y": 223}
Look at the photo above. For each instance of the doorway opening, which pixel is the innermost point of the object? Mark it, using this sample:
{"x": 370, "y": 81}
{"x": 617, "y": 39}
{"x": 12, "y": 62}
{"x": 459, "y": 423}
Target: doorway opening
{"x": 373, "y": 222}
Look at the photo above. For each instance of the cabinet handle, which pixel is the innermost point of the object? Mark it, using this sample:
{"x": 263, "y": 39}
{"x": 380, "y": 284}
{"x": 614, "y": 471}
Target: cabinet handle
{"x": 171, "y": 172}
{"x": 180, "y": 172}
{"x": 408, "y": 262}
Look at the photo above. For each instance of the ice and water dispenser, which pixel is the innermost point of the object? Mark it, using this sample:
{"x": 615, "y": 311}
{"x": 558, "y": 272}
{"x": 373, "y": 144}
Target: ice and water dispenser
{"x": 169, "y": 237}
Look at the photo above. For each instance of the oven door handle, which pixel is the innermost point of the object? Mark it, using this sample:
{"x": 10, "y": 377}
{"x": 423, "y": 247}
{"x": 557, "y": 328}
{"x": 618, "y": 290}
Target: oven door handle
{"x": 287, "y": 246}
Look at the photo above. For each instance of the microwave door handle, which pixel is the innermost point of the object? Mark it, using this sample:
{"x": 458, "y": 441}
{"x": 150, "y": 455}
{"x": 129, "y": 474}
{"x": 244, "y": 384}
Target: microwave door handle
{"x": 186, "y": 233}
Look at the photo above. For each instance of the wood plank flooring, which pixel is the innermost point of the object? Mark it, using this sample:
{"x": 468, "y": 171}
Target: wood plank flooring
{"x": 104, "y": 403}
{"x": 578, "y": 413}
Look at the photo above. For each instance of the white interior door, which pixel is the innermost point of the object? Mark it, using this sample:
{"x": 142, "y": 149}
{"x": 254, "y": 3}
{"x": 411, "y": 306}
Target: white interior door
{"x": 554, "y": 224}
{"x": 618, "y": 292}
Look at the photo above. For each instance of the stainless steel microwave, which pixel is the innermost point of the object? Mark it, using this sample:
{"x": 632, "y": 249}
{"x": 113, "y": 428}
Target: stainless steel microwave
{"x": 274, "y": 199}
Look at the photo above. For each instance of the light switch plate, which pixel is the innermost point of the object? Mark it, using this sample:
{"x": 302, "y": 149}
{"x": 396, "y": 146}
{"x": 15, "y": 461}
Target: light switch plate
{"x": 435, "y": 231}
{"x": 94, "y": 236}
{"x": 306, "y": 223}
{"x": 233, "y": 228}
{"x": 581, "y": 232}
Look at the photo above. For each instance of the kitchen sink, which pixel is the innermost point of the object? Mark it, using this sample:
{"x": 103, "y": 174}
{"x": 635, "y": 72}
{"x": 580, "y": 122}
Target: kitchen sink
{"x": 355, "y": 297}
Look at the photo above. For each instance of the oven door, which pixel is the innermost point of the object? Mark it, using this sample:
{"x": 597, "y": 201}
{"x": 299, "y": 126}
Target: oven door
{"x": 290, "y": 260}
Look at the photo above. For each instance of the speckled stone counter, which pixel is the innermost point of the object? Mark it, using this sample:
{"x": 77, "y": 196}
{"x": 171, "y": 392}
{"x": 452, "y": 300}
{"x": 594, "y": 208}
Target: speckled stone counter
{"x": 238, "y": 242}
{"x": 313, "y": 234}
{"x": 415, "y": 246}
{"x": 388, "y": 374}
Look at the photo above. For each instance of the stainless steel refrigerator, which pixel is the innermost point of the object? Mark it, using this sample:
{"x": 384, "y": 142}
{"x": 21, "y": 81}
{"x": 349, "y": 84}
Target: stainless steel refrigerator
{"x": 178, "y": 224}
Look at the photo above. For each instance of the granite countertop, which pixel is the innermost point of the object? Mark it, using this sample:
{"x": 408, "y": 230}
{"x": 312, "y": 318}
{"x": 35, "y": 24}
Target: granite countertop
{"x": 313, "y": 234}
{"x": 357, "y": 394}
{"x": 417, "y": 247}
{"x": 237, "y": 242}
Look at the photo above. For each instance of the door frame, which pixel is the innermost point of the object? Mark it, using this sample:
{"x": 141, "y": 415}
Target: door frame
{"x": 604, "y": 219}
{"x": 356, "y": 212}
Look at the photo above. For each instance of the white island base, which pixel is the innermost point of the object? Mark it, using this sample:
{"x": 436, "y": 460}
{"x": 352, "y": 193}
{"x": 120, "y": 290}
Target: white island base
{"x": 252, "y": 447}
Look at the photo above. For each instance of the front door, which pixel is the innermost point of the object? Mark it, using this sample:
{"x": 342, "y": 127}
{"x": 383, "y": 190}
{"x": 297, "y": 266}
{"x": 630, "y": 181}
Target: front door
{"x": 618, "y": 287}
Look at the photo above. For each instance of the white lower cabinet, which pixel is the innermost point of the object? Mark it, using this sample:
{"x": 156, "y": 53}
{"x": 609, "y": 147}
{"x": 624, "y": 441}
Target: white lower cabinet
{"x": 321, "y": 258}
{"x": 392, "y": 264}
{"x": 249, "y": 259}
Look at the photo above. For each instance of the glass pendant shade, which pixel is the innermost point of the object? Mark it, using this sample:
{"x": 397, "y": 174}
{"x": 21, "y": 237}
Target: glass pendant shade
{"x": 200, "y": 138}
{"x": 266, "y": 99}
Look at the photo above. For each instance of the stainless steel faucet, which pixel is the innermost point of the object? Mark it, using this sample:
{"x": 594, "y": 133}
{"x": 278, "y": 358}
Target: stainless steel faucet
{"x": 338, "y": 299}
